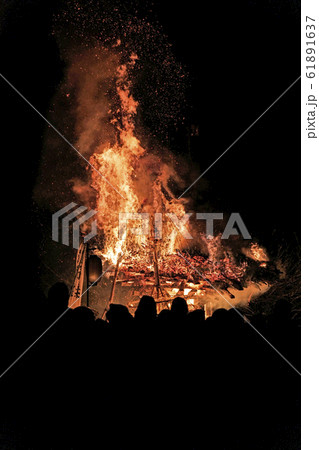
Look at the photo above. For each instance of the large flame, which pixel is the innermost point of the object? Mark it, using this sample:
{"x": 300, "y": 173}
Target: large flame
{"x": 128, "y": 178}
{"x": 139, "y": 187}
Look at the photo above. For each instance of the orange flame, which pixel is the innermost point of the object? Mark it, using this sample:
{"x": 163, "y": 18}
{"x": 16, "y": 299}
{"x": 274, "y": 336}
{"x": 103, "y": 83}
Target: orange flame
{"x": 122, "y": 167}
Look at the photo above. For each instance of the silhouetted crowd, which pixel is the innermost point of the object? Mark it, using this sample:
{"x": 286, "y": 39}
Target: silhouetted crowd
{"x": 172, "y": 380}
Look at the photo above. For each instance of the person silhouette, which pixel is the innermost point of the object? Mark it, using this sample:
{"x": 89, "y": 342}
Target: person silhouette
{"x": 179, "y": 309}
{"x": 146, "y": 310}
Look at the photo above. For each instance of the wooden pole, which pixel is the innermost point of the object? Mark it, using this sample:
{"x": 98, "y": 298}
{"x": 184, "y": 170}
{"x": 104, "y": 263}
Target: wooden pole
{"x": 157, "y": 281}
{"x": 116, "y": 274}
{"x": 157, "y": 284}
{"x": 78, "y": 283}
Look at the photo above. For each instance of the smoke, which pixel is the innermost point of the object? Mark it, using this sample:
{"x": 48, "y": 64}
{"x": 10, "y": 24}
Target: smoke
{"x": 95, "y": 38}
{"x": 90, "y": 82}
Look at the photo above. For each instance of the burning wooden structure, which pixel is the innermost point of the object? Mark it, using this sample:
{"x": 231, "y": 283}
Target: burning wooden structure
{"x": 126, "y": 178}
{"x": 204, "y": 283}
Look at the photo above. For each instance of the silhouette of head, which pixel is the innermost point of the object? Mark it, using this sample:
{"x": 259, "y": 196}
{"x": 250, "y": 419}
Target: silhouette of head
{"x": 146, "y": 310}
{"x": 58, "y": 297}
{"x": 83, "y": 315}
{"x": 118, "y": 315}
{"x": 179, "y": 308}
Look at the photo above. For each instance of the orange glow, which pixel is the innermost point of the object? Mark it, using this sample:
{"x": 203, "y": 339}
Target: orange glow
{"x": 257, "y": 253}
{"x": 122, "y": 165}
{"x": 142, "y": 181}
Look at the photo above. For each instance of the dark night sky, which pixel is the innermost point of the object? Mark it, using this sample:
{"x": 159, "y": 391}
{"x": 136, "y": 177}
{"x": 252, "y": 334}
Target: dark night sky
{"x": 240, "y": 57}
